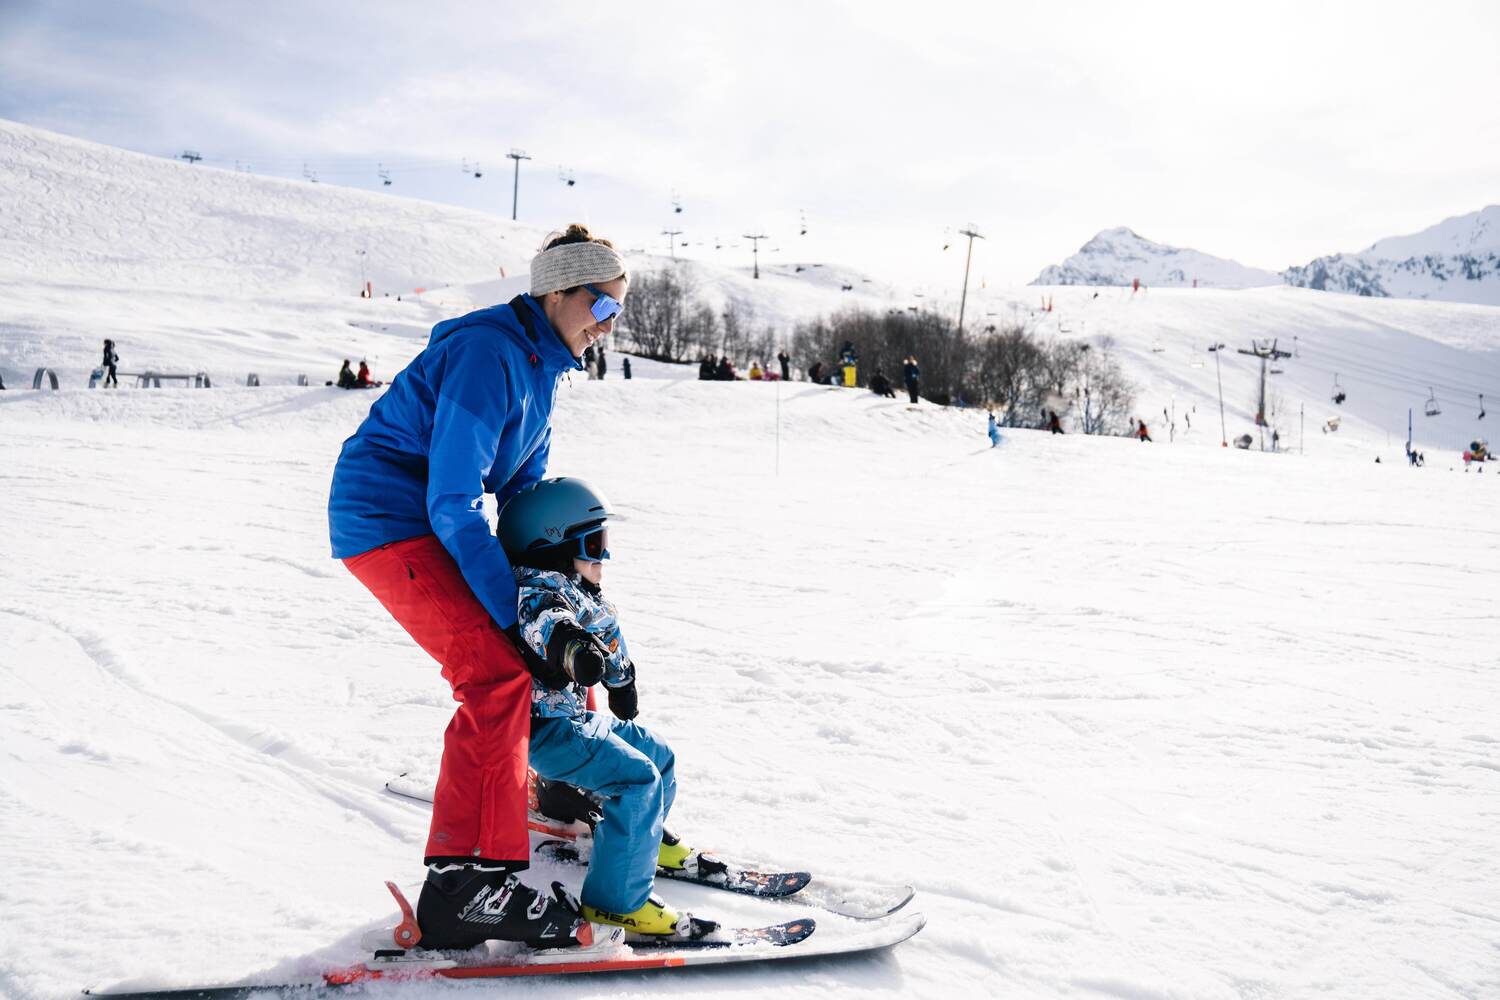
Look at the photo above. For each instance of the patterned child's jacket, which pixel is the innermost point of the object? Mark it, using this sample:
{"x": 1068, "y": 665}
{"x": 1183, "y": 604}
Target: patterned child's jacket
{"x": 548, "y": 598}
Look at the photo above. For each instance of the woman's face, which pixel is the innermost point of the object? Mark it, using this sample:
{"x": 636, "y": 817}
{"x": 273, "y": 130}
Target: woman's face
{"x": 571, "y": 314}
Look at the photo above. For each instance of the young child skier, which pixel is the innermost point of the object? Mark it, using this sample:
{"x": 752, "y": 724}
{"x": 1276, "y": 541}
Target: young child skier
{"x": 555, "y": 537}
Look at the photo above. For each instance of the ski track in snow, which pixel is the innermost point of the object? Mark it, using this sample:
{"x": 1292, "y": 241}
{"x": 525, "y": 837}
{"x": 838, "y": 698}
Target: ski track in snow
{"x": 1137, "y": 721}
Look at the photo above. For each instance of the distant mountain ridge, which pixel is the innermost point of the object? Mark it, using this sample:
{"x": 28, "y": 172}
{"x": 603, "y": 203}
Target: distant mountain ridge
{"x": 1457, "y": 260}
{"x": 1120, "y": 256}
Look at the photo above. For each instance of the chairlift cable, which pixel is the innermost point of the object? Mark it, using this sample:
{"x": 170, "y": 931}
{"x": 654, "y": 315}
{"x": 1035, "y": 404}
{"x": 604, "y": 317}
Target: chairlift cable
{"x": 1466, "y": 369}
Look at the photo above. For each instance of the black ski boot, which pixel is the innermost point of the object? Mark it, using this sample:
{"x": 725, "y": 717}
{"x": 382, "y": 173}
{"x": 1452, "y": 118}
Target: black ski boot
{"x": 464, "y": 904}
{"x": 568, "y": 803}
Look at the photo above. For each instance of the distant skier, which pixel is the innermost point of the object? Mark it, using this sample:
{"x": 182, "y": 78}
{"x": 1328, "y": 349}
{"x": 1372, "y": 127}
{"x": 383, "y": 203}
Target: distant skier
{"x": 346, "y": 379}
{"x": 911, "y": 375}
{"x": 472, "y": 414}
{"x": 603, "y": 365}
{"x": 625, "y": 369}
{"x": 1141, "y": 432}
{"x": 110, "y": 360}
{"x": 786, "y": 365}
{"x": 556, "y": 535}
{"x": 993, "y": 430}
{"x": 1053, "y": 423}
{"x": 881, "y": 386}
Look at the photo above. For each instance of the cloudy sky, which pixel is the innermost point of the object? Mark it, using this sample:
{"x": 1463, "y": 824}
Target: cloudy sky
{"x": 1269, "y": 132}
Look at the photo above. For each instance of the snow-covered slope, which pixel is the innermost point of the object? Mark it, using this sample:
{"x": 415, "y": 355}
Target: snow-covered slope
{"x": 1136, "y": 721}
{"x": 192, "y": 269}
{"x": 1457, "y": 260}
{"x": 1121, "y": 256}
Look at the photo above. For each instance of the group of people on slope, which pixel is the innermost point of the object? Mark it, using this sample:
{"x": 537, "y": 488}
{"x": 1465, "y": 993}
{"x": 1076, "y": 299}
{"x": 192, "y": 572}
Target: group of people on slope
{"x": 721, "y": 370}
{"x": 724, "y": 370}
{"x": 350, "y": 379}
{"x": 517, "y": 618}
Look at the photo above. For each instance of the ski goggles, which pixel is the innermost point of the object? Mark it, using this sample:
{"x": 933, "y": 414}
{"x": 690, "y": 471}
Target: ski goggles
{"x": 593, "y": 547}
{"x": 606, "y": 307}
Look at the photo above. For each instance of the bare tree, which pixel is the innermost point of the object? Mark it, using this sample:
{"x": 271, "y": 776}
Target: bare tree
{"x": 1005, "y": 373}
{"x": 1103, "y": 392}
{"x": 655, "y": 317}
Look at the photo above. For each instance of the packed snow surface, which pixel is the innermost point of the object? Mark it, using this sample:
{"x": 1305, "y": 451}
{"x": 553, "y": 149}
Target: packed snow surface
{"x": 1137, "y": 720}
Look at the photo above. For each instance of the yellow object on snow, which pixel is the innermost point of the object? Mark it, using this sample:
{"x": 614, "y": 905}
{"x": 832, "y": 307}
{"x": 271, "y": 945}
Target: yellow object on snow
{"x": 656, "y": 917}
{"x": 673, "y": 856}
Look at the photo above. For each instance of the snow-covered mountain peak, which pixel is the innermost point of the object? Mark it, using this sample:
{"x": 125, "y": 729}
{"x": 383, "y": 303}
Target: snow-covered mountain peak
{"x": 1120, "y": 256}
{"x": 1457, "y": 260}
{"x": 1474, "y": 233}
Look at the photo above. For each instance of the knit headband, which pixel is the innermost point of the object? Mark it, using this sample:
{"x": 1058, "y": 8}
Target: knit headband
{"x": 572, "y": 264}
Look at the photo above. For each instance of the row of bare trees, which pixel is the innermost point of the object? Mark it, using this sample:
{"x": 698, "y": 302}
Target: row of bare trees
{"x": 1007, "y": 368}
{"x": 665, "y": 319}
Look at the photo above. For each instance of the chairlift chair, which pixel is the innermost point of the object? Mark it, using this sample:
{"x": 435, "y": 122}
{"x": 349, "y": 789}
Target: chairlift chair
{"x": 1431, "y": 408}
{"x": 1481, "y": 406}
{"x": 1338, "y": 391}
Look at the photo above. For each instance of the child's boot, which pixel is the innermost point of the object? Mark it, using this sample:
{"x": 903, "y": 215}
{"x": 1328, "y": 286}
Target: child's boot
{"x": 655, "y": 918}
{"x": 673, "y": 854}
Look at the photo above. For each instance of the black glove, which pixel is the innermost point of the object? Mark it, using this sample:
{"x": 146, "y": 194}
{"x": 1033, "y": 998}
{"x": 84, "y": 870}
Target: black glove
{"x": 623, "y": 702}
{"x": 541, "y": 669}
{"x": 577, "y": 654}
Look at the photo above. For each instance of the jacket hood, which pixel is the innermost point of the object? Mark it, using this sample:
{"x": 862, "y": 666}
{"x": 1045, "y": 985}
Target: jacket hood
{"x": 548, "y": 345}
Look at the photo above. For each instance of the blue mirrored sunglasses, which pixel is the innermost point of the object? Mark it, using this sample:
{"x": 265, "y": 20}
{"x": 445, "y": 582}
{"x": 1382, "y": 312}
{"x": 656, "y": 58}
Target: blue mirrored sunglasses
{"x": 593, "y": 547}
{"x": 605, "y": 306}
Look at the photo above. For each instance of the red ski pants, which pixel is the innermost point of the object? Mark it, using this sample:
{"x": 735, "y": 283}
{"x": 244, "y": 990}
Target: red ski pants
{"x": 479, "y": 809}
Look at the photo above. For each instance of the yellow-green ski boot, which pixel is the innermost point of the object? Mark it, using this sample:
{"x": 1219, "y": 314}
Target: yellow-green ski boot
{"x": 655, "y": 919}
{"x": 673, "y": 854}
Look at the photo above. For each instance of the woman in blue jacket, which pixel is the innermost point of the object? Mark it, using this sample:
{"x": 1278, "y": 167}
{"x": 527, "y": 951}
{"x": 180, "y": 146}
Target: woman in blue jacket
{"x": 472, "y": 414}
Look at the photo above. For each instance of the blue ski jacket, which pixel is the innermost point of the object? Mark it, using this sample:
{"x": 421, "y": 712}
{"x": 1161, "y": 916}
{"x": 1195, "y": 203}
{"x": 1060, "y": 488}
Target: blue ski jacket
{"x": 471, "y": 414}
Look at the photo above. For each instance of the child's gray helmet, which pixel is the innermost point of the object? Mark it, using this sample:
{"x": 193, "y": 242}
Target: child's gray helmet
{"x": 549, "y": 513}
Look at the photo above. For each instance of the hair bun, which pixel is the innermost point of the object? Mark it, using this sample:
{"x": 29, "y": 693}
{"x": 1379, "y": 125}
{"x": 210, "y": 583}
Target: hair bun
{"x": 576, "y": 232}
